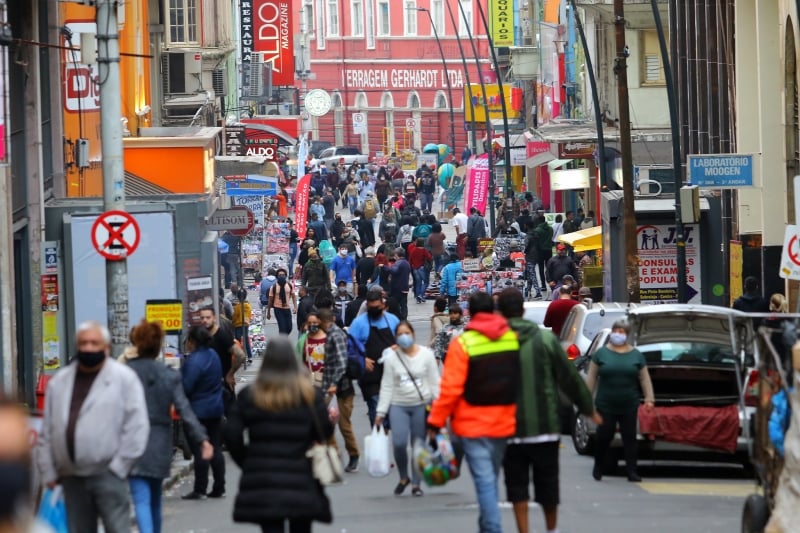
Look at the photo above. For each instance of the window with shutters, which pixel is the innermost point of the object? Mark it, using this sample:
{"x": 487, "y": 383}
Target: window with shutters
{"x": 384, "y": 27}
{"x": 437, "y": 16}
{"x": 652, "y": 68}
{"x": 357, "y": 18}
{"x": 410, "y": 17}
{"x": 333, "y": 18}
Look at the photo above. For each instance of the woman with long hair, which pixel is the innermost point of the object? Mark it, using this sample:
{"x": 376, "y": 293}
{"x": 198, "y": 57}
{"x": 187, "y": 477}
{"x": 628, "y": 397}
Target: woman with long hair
{"x": 278, "y": 411}
{"x": 162, "y": 389}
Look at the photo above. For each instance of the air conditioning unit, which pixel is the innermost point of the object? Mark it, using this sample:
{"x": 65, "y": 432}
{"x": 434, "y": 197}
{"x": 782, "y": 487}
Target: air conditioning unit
{"x": 219, "y": 82}
{"x": 256, "y": 87}
{"x": 179, "y": 72}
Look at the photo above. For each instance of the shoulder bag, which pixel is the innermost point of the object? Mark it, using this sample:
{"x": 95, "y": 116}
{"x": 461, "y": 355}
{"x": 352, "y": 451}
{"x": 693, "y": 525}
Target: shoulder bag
{"x": 325, "y": 462}
{"x": 414, "y": 381}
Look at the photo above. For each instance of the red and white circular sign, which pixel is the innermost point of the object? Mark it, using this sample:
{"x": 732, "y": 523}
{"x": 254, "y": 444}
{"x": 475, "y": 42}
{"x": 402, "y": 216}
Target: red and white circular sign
{"x": 115, "y": 235}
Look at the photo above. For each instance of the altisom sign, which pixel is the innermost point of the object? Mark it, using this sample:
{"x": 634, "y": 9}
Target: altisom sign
{"x": 272, "y": 21}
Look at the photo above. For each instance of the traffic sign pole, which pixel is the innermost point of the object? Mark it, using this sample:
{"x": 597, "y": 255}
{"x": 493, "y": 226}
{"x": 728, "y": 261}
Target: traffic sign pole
{"x": 113, "y": 170}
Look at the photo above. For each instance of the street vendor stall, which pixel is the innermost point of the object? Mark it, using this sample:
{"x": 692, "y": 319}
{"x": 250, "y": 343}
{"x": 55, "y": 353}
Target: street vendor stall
{"x": 587, "y": 240}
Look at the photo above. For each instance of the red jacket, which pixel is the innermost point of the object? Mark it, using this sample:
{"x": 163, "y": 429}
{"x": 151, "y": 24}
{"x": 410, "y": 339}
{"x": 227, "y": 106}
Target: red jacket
{"x": 472, "y": 420}
{"x": 417, "y": 256}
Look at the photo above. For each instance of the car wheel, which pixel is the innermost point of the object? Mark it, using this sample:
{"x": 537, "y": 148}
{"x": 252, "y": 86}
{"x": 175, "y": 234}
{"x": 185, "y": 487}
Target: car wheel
{"x": 581, "y": 439}
{"x": 755, "y": 514}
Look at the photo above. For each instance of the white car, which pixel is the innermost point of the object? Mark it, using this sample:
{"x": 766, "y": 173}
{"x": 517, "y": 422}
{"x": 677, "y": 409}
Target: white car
{"x": 697, "y": 355}
{"x": 336, "y": 154}
{"x": 585, "y": 320}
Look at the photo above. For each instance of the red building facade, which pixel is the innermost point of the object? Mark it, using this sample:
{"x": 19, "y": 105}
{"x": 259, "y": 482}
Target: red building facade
{"x": 381, "y": 63}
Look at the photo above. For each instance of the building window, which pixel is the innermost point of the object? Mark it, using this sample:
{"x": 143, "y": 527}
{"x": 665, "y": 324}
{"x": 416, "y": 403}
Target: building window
{"x": 308, "y": 18}
{"x": 410, "y": 17}
{"x": 370, "y": 27}
{"x": 356, "y": 18}
{"x": 384, "y": 28}
{"x": 183, "y": 21}
{"x": 650, "y": 60}
{"x": 437, "y": 15}
{"x": 320, "y": 24}
{"x": 466, "y": 5}
{"x": 333, "y": 18}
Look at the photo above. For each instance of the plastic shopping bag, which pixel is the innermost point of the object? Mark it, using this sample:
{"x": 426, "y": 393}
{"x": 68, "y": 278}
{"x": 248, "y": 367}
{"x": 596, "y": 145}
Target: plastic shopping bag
{"x": 377, "y": 453}
{"x": 436, "y": 460}
{"x": 52, "y": 510}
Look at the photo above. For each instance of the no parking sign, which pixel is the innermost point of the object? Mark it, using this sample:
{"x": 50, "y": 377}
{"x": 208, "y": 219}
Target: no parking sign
{"x": 115, "y": 235}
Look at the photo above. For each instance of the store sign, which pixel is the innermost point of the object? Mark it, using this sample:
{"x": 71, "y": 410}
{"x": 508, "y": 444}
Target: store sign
{"x": 401, "y": 78}
{"x": 81, "y": 87}
{"x": 518, "y": 157}
{"x": 564, "y": 180}
{"x": 246, "y": 39}
{"x": 234, "y": 140}
{"x": 658, "y": 264}
{"x": 536, "y": 147}
{"x": 261, "y": 143}
{"x": 501, "y": 17}
{"x": 491, "y": 99}
{"x": 272, "y": 38}
{"x": 168, "y": 313}
{"x": 576, "y": 150}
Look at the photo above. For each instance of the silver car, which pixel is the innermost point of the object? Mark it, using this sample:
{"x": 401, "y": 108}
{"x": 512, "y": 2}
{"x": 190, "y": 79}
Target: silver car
{"x": 697, "y": 355}
{"x": 585, "y": 320}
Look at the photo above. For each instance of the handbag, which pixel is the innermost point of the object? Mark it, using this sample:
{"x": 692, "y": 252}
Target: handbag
{"x": 325, "y": 462}
{"x": 414, "y": 381}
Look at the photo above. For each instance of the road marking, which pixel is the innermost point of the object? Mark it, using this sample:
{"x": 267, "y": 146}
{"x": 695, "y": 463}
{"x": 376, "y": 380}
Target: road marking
{"x": 739, "y": 490}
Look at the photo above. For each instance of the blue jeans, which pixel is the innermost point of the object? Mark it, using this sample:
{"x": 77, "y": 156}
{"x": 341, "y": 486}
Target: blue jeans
{"x": 372, "y": 407}
{"x": 438, "y": 263}
{"x": 292, "y": 257}
{"x": 352, "y": 203}
{"x": 426, "y": 201}
{"x": 242, "y": 333}
{"x": 284, "y": 319}
{"x": 421, "y": 278}
{"x": 146, "y": 496}
{"x": 485, "y": 456}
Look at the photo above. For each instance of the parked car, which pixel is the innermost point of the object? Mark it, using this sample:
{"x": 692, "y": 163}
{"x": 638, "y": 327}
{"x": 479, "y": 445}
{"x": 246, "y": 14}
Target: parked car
{"x": 315, "y": 148}
{"x": 535, "y": 311}
{"x": 585, "y": 320}
{"x": 697, "y": 355}
{"x": 335, "y": 154}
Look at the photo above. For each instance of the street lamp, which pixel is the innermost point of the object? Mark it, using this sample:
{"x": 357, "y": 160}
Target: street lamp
{"x": 466, "y": 75}
{"x": 486, "y": 113}
{"x": 446, "y": 75}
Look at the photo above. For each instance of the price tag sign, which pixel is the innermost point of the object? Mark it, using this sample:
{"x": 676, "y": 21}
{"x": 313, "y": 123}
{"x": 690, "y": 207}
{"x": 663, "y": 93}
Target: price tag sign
{"x": 169, "y": 313}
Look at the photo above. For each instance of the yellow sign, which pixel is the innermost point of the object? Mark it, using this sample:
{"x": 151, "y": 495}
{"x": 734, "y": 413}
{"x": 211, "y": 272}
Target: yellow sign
{"x": 512, "y": 95}
{"x": 501, "y": 20}
{"x": 168, "y": 312}
{"x": 736, "y": 260}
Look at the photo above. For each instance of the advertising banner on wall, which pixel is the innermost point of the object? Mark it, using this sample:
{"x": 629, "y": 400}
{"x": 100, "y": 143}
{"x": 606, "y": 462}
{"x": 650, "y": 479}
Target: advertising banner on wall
{"x": 501, "y": 21}
{"x": 658, "y": 266}
{"x": 273, "y": 38}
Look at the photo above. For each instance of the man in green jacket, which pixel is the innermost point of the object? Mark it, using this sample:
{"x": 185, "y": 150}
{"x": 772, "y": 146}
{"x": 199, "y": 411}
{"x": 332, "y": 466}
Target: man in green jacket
{"x": 544, "y": 370}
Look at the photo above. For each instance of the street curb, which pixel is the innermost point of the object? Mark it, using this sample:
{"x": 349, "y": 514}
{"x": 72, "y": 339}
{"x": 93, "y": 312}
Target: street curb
{"x": 177, "y": 474}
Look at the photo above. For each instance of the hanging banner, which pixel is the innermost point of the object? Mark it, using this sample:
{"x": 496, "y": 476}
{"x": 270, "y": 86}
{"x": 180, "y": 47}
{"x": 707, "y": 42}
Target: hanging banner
{"x": 301, "y": 206}
{"x": 501, "y": 21}
{"x": 273, "y": 38}
{"x": 253, "y": 203}
{"x": 658, "y": 266}
{"x": 478, "y": 183}
{"x": 736, "y": 263}
{"x": 199, "y": 295}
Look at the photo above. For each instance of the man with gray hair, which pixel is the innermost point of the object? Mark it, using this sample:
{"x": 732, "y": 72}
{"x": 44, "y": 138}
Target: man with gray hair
{"x": 365, "y": 269}
{"x": 95, "y": 428}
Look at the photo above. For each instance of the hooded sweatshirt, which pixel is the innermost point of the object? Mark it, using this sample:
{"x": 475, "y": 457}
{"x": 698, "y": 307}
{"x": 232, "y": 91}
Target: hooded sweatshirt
{"x": 467, "y": 387}
{"x": 544, "y": 371}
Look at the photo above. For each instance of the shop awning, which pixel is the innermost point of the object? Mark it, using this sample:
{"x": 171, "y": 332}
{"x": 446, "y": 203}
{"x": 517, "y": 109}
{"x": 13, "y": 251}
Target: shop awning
{"x": 557, "y": 163}
{"x": 539, "y": 159}
{"x": 585, "y": 239}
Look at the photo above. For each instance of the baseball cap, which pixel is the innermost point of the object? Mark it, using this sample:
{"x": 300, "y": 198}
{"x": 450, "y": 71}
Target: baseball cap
{"x": 561, "y": 246}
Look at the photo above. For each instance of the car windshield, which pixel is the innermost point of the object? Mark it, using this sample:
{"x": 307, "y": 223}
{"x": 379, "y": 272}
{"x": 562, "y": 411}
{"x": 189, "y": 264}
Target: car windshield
{"x": 347, "y": 150}
{"x": 687, "y": 352}
{"x": 596, "y": 321}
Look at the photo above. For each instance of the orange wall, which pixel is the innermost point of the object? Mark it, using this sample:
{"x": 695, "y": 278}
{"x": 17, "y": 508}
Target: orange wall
{"x": 80, "y": 92}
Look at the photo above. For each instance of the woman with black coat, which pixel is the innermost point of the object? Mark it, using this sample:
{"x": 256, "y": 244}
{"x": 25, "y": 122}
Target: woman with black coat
{"x": 277, "y": 410}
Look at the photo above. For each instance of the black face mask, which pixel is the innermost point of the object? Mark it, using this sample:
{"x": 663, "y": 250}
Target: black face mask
{"x": 455, "y": 322}
{"x": 91, "y": 359}
{"x": 374, "y": 312}
{"x": 281, "y": 279}
{"x": 313, "y": 329}
{"x": 15, "y": 480}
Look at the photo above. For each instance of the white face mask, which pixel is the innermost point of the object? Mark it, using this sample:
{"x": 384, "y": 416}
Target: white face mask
{"x": 343, "y": 253}
{"x": 617, "y": 338}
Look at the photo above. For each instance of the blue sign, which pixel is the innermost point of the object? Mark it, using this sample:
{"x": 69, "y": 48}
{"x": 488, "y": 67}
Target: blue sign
{"x": 253, "y": 185}
{"x": 721, "y": 170}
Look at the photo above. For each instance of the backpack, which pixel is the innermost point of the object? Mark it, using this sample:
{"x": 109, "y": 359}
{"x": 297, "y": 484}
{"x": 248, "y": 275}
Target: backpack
{"x": 369, "y": 209}
{"x": 266, "y": 285}
{"x": 406, "y": 233}
{"x": 355, "y": 358}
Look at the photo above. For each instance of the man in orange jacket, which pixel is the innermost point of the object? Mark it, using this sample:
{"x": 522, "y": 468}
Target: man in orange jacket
{"x": 478, "y": 393}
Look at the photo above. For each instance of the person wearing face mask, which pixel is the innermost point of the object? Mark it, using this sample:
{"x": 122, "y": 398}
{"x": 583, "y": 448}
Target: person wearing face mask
{"x": 95, "y": 428}
{"x": 341, "y": 300}
{"x": 315, "y": 275}
{"x": 375, "y": 330}
{"x": 280, "y": 295}
{"x": 623, "y": 377}
{"x": 410, "y": 382}
{"x": 343, "y": 268}
{"x": 311, "y": 347}
{"x": 451, "y": 330}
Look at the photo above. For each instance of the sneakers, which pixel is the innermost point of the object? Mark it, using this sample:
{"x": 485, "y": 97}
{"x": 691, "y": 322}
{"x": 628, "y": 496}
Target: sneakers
{"x": 352, "y": 466}
{"x": 193, "y": 496}
{"x": 538, "y": 296}
{"x": 216, "y": 494}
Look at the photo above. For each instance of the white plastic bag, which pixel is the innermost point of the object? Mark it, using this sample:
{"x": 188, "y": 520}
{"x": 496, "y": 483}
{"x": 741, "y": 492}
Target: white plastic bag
{"x": 377, "y": 453}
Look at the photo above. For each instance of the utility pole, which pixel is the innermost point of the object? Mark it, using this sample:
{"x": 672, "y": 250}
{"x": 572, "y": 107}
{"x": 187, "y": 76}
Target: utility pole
{"x": 621, "y": 70}
{"x": 474, "y": 144}
{"x": 446, "y": 73}
{"x": 113, "y": 170}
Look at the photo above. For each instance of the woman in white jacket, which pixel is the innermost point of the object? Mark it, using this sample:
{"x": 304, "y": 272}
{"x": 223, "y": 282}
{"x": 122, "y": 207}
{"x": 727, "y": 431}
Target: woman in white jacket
{"x": 410, "y": 383}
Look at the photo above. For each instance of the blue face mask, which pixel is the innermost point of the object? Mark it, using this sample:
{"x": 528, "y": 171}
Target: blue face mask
{"x": 405, "y": 341}
{"x": 618, "y": 339}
